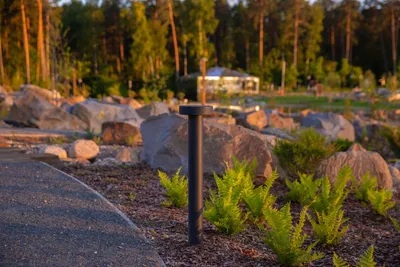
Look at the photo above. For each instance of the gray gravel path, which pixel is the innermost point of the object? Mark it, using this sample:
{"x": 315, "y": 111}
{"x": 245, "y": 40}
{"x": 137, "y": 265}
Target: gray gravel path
{"x": 48, "y": 218}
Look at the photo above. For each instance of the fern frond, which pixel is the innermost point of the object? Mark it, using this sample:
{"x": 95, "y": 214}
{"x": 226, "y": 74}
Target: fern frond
{"x": 339, "y": 262}
{"x": 286, "y": 241}
{"x": 380, "y": 200}
{"x": 176, "y": 189}
{"x": 328, "y": 227}
{"x": 367, "y": 259}
{"x": 395, "y": 223}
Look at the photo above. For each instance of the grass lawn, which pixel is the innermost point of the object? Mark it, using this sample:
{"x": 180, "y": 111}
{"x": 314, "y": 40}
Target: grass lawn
{"x": 306, "y": 101}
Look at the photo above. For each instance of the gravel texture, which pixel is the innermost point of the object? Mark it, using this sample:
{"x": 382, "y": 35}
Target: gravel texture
{"x": 136, "y": 191}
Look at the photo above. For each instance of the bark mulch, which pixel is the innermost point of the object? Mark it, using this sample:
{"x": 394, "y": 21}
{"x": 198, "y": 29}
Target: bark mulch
{"x": 137, "y": 192}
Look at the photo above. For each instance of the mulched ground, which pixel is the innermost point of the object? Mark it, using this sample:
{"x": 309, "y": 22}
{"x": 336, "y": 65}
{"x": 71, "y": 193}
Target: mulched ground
{"x": 137, "y": 192}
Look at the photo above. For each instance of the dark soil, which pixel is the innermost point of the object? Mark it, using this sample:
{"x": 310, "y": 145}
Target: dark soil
{"x": 137, "y": 192}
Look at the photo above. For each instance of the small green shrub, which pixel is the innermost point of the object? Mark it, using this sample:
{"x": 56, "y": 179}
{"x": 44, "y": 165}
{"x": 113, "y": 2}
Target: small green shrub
{"x": 304, "y": 154}
{"x": 222, "y": 209}
{"x": 287, "y": 241}
{"x": 328, "y": 226}
{"x": 176, "y": 189}
{"x": 259, "y": 201}
{"x": 367, "y": 183}
{"x": 380, "y": 200}
{"x": 342, "y": 144}
{"x": 305, "y": 190}
{"x": 366, "y": 260}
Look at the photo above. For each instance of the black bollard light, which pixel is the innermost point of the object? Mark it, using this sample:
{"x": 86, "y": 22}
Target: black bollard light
{"x": 195, "y": 190}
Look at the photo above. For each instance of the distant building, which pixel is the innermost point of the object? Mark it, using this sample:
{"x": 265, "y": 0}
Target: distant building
{"x": 219, "y": 79}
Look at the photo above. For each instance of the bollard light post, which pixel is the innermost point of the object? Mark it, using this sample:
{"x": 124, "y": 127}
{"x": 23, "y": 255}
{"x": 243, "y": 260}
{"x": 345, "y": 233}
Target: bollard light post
{"x": 195, "y": 156}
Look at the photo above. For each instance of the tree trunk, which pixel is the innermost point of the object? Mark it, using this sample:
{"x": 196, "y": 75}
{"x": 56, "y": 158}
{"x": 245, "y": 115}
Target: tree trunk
{"x": 333, "y": 43}
{"x": 41, "y": 42}
{"x": 26, "y": 45}
{"x": 74, "y": 87}
{"x": 261, "y": 39}
{"x": 247, "y": 55}
{"x": 121, "y": 49}
{"x": 176, "y": 51}
{"x": 6, "y": 44}
{"x": 185, "y": 72}
{"x": 296, "y": 32}
{"x": 393, "y": 31}
{"x": 348, "y": 35}
{"x": 3, "y": 76}
{"x": 48, "y": 44}
{"x": 200, "y": 41}
{"x": 118, "y": 65}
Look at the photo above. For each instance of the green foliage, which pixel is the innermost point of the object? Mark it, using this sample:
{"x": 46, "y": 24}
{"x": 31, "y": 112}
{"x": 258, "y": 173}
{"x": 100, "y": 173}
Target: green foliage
{"x": 367, "y": 183}
{"x": 259, "y": 201}
{"x": 333, "y": 196}
{"x": 222, "y": 209}
{"x": 380, "y": 200}
{"x": 176, "y": 189}
{"x": 342, "y": 144}
{"x": 339, "y": 262}
{"x": 366, "y": 260}
{"x": 304, "y": 154}
{"x": 395, "y": 223}
{"x": 332, "y": 81}
{"x": 368, "y": 83}
{"x": 305, "y": 190}
{"x": 328, "y": 226}
{"x": 320, "y": 194}
{"x": 287, "y": 241}
{"x": 392, "y": 134}
{"x": 367, "y": 191}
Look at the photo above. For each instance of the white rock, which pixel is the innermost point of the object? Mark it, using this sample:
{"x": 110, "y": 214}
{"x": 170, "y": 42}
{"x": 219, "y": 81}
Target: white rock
{"x": 54, "y": 150}
{"x": 85, "y": 149}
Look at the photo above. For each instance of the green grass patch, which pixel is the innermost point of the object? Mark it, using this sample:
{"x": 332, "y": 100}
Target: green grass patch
{"x": 323, "y": 103}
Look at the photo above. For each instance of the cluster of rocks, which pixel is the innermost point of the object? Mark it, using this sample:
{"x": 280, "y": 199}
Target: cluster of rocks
{"x": 163, "y": 134}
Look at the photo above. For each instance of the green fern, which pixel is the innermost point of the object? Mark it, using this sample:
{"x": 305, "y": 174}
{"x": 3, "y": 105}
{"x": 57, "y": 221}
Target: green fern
{"x": 367, "y": 183}
{"x": 305, "y": 191}
{"x": 380, "y": 200}
{"x": 366, "y": 260}
{"x": 259, "y": 201}
{"x": 328, "y": 227}
{"x": 287, "y": 241}
{"x": 339, "y": 262}
{"x": 395, "y": 223}
{"x": 225, "y": 214}
{"x": 333, "y": 196}
{"x": 176, "y": 189}
{"x": 222, "y": 209}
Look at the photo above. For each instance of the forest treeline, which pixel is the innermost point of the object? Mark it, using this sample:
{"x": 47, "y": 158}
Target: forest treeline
{"x": 104, "y": 47}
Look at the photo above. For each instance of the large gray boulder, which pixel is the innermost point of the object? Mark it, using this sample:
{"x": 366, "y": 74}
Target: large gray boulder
{"x": 165, "y": 140}
{"x": 153, "y": 109}
{"x": 50, "y": 95}
{"x": 95, "y": 113}
{"x": 331, "y": 125}
{"x": 33, "y": 110}
{"x": 361, "y": 162}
